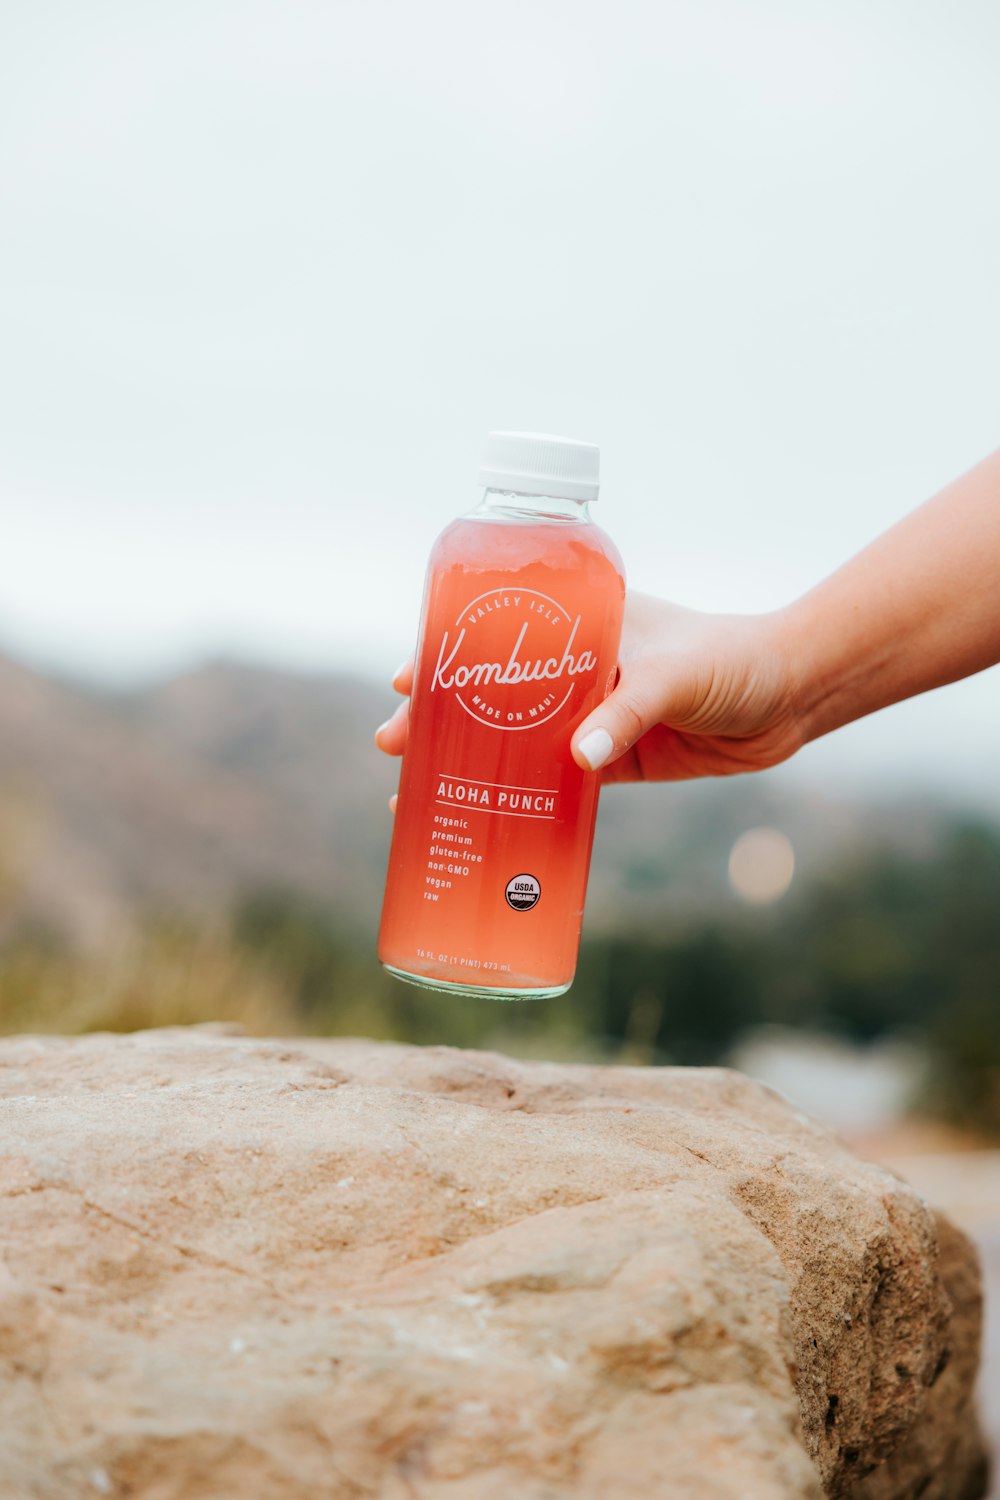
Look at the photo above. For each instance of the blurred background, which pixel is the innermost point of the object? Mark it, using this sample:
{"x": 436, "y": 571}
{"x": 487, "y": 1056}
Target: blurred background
{"x": 268, "y": 274}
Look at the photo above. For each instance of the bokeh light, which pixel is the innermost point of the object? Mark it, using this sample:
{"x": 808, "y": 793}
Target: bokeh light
{"x": 761, "y": 866}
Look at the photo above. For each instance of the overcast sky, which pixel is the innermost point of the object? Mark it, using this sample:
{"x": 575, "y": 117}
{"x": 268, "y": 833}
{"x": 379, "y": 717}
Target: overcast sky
{"x": 269, "y": 272}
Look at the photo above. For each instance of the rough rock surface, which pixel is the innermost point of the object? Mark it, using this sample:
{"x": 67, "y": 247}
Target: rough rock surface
{"x": 240, "y": 1268}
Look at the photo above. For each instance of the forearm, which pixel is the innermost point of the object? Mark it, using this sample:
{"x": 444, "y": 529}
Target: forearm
{"x": 918, "y": 608}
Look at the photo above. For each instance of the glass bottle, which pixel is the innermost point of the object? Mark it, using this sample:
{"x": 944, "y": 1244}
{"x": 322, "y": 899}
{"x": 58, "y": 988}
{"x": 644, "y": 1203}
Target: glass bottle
{"x": 518, "y": 642}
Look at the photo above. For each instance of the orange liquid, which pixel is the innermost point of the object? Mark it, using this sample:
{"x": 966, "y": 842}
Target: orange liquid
{"x": 494, "y": 825}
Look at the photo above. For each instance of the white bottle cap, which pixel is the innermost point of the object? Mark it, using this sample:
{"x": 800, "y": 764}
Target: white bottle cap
{"x": 535, "y": 463}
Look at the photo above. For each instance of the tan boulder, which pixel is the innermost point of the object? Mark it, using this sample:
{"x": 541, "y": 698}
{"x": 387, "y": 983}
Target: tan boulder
{"x": 240, "y": 1268}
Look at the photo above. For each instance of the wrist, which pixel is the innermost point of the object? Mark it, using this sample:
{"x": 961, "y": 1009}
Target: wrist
{"x": 791, "y": 644}
{"x": 834, "y": 674}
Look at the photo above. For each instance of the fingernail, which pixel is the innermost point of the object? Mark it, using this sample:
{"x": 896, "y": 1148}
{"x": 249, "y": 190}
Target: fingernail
{"x": 595, "y": 748}
{"x": 392, "y": 802}
{"x": 400, "y": 669}
{"x": 381, "y": 727}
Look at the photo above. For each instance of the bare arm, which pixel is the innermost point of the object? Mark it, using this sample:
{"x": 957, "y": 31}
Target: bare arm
{"x": 917, "y": 608}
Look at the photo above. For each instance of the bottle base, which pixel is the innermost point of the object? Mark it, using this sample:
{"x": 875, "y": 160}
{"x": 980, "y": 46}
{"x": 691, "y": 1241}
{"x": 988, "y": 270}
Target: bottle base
{"x": 480, "y": 991}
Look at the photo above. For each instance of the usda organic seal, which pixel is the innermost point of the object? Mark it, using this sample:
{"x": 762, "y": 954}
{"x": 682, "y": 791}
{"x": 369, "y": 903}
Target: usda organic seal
{"x": 523, "y": 892}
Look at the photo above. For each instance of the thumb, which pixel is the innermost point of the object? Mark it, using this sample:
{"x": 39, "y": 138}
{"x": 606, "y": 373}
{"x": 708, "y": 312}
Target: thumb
{"x": 624, "y": 717}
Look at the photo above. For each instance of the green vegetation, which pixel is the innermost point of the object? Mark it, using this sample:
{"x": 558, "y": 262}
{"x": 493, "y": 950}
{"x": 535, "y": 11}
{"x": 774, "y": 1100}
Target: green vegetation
{"x": 879, "y": 945}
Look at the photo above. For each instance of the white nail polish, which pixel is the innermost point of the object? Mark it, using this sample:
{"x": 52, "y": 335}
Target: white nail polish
{"x": 595, "y": 748}
{"x": 381, "y": 727}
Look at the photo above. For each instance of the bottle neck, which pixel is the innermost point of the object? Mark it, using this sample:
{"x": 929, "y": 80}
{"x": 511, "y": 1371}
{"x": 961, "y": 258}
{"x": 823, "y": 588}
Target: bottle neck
{"x": 505, "y": 505}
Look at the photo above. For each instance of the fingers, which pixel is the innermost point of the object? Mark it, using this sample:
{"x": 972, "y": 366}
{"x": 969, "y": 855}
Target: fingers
{"x": 402, "y": 678}
{"x": 390, "y": 737}
{"x": 622, "y": 719}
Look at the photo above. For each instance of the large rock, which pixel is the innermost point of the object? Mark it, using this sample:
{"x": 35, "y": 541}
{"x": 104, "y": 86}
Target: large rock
{"x": 271, "y": 1270}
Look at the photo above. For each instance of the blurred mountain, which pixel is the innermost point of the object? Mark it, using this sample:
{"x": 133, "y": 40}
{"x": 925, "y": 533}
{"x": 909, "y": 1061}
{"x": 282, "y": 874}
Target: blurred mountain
{"x": 188, "y": 794}
{"x": 182, "y": 796}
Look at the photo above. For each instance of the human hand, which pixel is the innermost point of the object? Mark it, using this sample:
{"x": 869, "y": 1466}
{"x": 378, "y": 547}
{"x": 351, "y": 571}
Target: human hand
{"x": 711, "y": 695}
{"x": 697, "y": 695}
{"x": 391, "y": 736}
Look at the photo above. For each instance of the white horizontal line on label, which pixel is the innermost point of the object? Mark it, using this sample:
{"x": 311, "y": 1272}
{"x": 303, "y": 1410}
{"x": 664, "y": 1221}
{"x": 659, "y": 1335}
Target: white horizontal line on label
{"x": 507, "y": 786}
{"x": 496, "y": 811}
